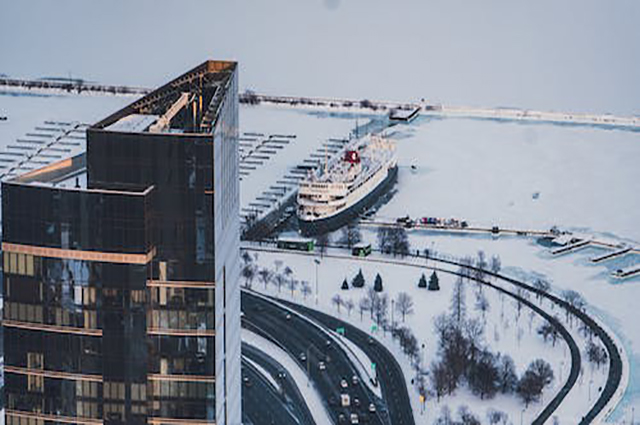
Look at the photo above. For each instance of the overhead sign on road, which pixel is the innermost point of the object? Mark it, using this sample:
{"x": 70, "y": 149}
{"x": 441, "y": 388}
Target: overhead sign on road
{"x": 340, "y": 330}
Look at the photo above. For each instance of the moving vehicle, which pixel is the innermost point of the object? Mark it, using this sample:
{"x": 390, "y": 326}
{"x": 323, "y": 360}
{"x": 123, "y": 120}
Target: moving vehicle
{"x": 361, "y": 249}
{"x": 345, "y": 400}
{"x": 296, "y": 243}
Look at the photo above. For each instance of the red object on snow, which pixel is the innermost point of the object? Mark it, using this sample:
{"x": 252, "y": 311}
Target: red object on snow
{"x": 352, "y": 157}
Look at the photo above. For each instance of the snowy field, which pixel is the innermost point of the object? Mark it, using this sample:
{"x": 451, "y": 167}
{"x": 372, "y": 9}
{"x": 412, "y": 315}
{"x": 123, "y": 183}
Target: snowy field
{"x": 487, "y": 172}
{"x": 502, "y": 332}
{"x": 517, "y": 175}
{"x": 24, "y": 111}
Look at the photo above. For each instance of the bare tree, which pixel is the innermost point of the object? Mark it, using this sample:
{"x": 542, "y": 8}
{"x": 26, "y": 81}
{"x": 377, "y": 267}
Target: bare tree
{"x": 384, "y": 240}
{"x": 549, "y": 331}
{"x": 496, "y": 417}
{"x": 483, "y": 375}
{"x": 574, "y": 299}
{"x": 596, "y": 354}
{"x": 279, "y": 280}
{"x": 372, "y": 296}
{"x": 479, "y": 271}
{"x": 482, "y": 304}
{"x": 323, "y": 240}
{"x": 350, "y": 235}
{"x": 399, "y": 240}
{"x": 381, "y": 309}
{"x": 265, "y": 276}
{"x": 474, "y": 333}
{"x": 507, "y": 375}
{"x": 364, "y": 305}
{"x": 305, "y": 288}
{"x": 337, "y": 301}
{"x": 249, "y": 273}
{"x": 349, "y": 305}
{"x": 542, "y": 286}
{"x": 246, "y": 257}
{"x": 458, "y": 302}
{"x": 292, "y": 284}
{"x": 440, "y": 379}
{"x": 496, "y": 264}
{"x": 537, "y": 376}
{"x": 404, "y": 302}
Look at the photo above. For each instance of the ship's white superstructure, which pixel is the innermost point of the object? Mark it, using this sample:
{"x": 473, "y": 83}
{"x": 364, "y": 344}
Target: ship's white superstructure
{"x": 346, "y": 180}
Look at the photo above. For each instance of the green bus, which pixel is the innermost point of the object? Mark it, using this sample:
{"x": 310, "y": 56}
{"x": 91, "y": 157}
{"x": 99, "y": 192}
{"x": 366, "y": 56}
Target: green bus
{"x": 297, "y": 244}
{"x": 361, "y": 249}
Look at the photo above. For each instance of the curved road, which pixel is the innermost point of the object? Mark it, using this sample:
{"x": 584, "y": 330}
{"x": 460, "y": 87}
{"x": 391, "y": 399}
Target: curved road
{"x": 615, "y": 361}
{"x": 261, "y": 403}
{"x": 387, "y": 368}
{"x": 297, "y": 336}
{"x": 615, "y": 369}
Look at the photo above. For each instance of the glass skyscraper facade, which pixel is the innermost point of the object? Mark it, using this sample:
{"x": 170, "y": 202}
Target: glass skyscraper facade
{"x": 121, "y": 267}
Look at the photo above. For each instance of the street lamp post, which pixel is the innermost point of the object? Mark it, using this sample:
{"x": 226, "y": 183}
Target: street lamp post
{"x": 317, "y": 262}
{"x": 392, "y": 314}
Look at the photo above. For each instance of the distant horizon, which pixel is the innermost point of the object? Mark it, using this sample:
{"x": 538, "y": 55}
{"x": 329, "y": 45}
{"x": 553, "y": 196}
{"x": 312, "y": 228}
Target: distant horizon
{"x": 579, "y": 56}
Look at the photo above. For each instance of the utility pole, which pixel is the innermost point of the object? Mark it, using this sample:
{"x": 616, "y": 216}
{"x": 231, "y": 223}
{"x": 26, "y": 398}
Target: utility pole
{"x": 317, "y": 262}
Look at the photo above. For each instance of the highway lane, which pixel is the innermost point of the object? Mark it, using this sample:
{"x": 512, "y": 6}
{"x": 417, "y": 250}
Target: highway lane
{"x": 297, "y": 336}
{"x": 389, "y": 372}
{"x": 262, "y": 404}
{"x": 288, "y": 392}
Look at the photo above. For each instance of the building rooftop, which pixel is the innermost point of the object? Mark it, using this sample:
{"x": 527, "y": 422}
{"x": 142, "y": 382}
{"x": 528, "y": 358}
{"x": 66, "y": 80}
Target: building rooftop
{"x": 188, "y": 104}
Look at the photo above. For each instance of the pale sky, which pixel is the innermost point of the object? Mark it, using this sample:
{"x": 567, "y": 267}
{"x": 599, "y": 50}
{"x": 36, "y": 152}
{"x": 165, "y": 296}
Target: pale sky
{"x": 548, "y": 54}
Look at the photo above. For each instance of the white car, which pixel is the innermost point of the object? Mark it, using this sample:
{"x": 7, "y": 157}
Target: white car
{"x": 345, "y": 400}
{"x": 372, "y": 408}
{"x": 321, "y": 366}
{"x": 344, "y": 383}
{"x": 354, "y": 418}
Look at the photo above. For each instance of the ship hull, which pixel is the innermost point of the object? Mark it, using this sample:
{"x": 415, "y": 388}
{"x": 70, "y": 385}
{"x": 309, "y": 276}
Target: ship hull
{"x": 329, "y": 224}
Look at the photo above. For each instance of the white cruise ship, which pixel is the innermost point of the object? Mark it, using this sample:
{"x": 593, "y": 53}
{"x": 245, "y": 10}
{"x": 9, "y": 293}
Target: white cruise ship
{"x": 351, "y": 181}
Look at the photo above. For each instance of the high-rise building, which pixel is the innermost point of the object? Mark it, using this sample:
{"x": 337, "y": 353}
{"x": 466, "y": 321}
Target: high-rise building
{"x": 121, "y": 267}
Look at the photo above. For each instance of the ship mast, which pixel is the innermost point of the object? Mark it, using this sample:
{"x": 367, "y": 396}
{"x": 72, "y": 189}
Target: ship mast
{"x": 326, "y": 160}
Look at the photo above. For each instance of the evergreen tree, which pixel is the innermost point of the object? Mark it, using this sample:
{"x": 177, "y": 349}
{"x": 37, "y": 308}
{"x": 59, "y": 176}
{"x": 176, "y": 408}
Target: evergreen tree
{"x": 434, "y": 282}
{"x": 345, "y": 284}
{"x": 423, "y": 281}
{"x": 377, "y": 286}
{"x": 358, "y": 280}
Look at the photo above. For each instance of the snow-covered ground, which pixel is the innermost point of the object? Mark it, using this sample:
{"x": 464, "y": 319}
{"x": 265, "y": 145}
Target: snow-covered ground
{"x": 531, "y": 177}
{"x": 526, "y": 176}
{"x": 503, "y": 333}
{"x": 488, "y": 173}
{"x": 24, "y": 111}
